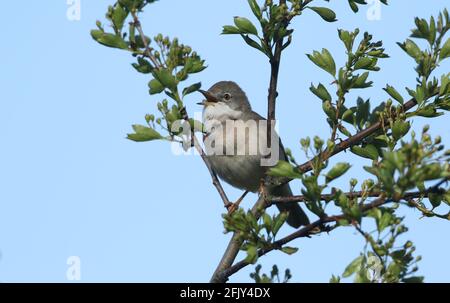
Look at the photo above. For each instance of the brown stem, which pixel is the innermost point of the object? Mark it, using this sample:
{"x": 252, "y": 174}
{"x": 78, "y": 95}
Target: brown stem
{"x": 350, "y": 195}
{"x": 147, "y": 50}
{"x": 353, "y": 140}
{"x": 215, "y": 179}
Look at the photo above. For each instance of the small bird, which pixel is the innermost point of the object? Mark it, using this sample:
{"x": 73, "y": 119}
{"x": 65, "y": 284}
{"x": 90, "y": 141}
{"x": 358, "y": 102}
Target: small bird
{"x": 226, "y": 101}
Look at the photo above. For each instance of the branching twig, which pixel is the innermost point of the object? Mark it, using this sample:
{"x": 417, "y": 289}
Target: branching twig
{"x": 308, "y": 230}
{"x": 147, "y": 51}
{"x": 353, "y": 140}
{"x": 350, "y": 195}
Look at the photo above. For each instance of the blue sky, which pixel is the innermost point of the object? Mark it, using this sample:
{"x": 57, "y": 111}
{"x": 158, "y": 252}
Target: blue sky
{"x": 72, "y": 185}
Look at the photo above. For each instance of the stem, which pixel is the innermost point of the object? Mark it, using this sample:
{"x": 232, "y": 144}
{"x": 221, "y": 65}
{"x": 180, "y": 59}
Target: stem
{"x": 147, "y": 51}
{"x": 350, "y": 195}
{"x": 215, "y": 179}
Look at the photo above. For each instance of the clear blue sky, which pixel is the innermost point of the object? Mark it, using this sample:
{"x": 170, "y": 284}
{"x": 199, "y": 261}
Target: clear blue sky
{"x": 72, "y": 185}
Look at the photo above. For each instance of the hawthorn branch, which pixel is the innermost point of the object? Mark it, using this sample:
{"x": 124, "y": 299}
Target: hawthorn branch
{"x": 309, "y": 229}
{"x": 350, "y": 195}
{"x": 353, "y": 140}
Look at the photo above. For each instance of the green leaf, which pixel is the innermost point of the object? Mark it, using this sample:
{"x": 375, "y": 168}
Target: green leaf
{"x": 369, "y": 151}
{"x": 320, "y": 92}
{"x": 360, "y": 81}
{"x": 109, "y": 40}
{"x": 284, "y": 169}
{"x": 267, "y": 222}
{"x": 338, "y": 170}
{"x": 245, "y": 26}
{"x": 253, "y": 43}
{"x": 255, "y": 8}
{"x": 353, "y": 267}
{"x": 400, "y": 129}
{"x": 394, "y": 93}
{"x": 230, "y": 30}
{"x": 435, "y": 199}
{"x": 165, "y": 77}
{"x": 411, "y": 48}
{"x": 366, "y": 63}
{"x": 289, "y": 250}
{"x": 347, "y": 38}
{"x": 252, "y": 254}
{"x": 353, "y": 6}
{"x": 329, "y": 110}
{"x": 384, "y": 221}
{"x": 155, "y": 87}
{"x": 326, "y": 13}
{"x": 143, "y": 66}
{"x": 193, "y": 88}
{"x": 324, "y": 60}
{"x": 119, "y": 16}
{"x": 445, "y": 51}
{"x": 144, "y": 133}
{"x": 278, "y": 221}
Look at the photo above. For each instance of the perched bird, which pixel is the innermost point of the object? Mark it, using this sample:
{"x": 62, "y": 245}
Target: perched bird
{"x": 234, "y": 161}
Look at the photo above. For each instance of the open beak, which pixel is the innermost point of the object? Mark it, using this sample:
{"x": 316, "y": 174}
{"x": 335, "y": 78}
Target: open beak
{"x": 210, "y": 98}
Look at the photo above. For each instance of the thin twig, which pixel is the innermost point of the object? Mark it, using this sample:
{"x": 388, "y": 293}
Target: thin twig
{"x": 198, "y": 147}
{"x": 147, "y": 51}
{"x": 353, "y": 140}
{"x": 350, "y": 195}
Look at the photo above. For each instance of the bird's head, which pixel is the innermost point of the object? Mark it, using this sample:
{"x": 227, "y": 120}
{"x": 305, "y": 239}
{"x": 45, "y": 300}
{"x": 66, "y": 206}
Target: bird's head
{"x": 226, "y": 93}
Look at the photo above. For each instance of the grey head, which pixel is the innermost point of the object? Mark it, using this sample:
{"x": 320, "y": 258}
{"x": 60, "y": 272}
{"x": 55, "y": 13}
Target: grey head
{"x": 229, "y": 93}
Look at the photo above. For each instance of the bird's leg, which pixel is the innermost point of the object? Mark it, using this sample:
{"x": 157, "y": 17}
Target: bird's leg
{"x": 233, "y": 206}
{"x": 262, "y": 188}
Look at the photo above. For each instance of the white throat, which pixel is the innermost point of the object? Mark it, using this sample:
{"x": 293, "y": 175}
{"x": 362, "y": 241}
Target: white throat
{"x": 220, "y": 112}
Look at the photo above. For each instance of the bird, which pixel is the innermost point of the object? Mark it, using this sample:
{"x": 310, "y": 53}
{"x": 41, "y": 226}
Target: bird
{"x": 240, "y": 166}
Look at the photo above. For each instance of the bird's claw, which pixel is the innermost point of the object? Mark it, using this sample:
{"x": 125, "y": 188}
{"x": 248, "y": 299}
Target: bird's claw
{"x": 232, "y": 207}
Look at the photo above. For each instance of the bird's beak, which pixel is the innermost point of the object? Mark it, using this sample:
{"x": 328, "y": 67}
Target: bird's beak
{"x": 210, "y": 98}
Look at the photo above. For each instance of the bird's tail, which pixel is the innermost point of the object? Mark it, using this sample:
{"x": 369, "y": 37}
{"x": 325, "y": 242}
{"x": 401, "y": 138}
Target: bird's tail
{"x": 297, "y": 216}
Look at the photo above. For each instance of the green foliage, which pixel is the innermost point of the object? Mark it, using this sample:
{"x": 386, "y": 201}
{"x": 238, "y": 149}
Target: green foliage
{"x": 167, "y": 61}
{"x": 256, "y": 232}
{"x": 382, "y": 261}
{"x": 401, "y": 168}
{"x": 144, "y": 133}
{"x": 284, "y": 169}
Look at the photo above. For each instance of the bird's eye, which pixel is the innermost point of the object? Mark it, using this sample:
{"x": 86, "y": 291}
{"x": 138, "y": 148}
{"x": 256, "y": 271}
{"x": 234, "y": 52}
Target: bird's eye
{"x": 227, "y": 96}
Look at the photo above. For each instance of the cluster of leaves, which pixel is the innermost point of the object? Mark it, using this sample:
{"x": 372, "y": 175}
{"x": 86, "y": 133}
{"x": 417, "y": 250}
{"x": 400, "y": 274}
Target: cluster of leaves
{"x": 256, "y": 233}
{"x": 353, "y": 75}
{"x": 397, "y": 165}
{"x": 382, "y": 261}
{"x": 167, "y": 61}
{"x": 274, "y": 19}
{"x": 410, "y": 166}
{"x": 274, "y": 275}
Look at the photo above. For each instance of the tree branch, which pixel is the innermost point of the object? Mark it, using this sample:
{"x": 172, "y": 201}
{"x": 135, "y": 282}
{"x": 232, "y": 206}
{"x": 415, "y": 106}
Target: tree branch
{"x": 350, "y": 195}
{"x": 353, "y": 140}
{"x": 308, "y": 229}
